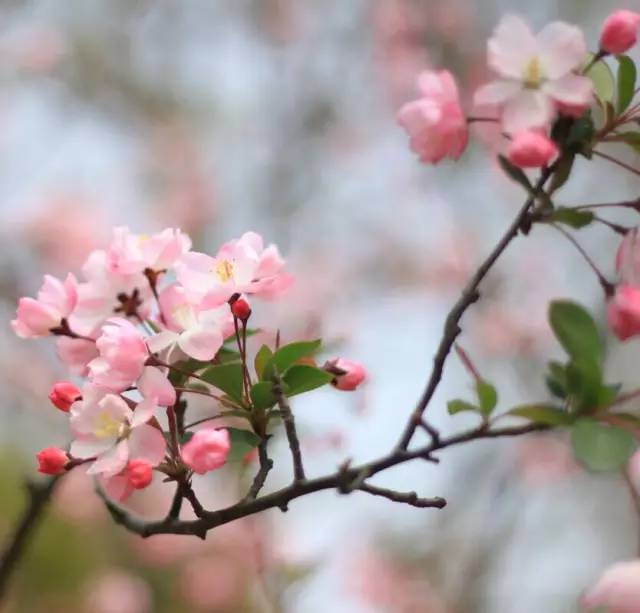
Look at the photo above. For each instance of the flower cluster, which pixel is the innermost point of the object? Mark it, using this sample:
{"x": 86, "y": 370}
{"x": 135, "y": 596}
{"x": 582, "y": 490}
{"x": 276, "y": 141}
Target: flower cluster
{"x": 149, "y": 316}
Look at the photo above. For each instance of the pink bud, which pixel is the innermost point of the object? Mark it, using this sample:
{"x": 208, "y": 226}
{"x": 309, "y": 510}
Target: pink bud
{"x": 63, "y": 394}
{"x": 349, "y": 375}
{"x": 139, "y": 474}
{"x": 207, "y": 450}
{"x": 617, "y": 590}
{"x": 623, "y": 312}
{"x": 52, "y": 461}
{"x": 531, "y": 149}
{"x": 241, "y": 309}
{"x": 619, "y": 32}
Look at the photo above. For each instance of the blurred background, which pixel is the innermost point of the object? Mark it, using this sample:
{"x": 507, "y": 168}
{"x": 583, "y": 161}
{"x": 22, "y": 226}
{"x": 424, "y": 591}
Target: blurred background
{"x": 279, "y": 116}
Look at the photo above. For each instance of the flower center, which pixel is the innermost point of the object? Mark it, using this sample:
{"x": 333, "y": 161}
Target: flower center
{"x": 224, "y": 270}
{"x": 533, "y": 74}
{"x": 108, "y": 427}
{"x": 184, "y": 316}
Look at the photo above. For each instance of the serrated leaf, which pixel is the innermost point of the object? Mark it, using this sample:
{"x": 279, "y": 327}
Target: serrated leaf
{"x": 262, "y": 396}
{"x": 226, "y": 377}
{"x": 515, "y": 173}
{"x": 575, "y": 329}
{"x": 627, "y": 75}
{"x": 600, "y": 447}
{"x": 262, "y": 358}
{"x": 242, "y": 442}
{"x": 571, "y": 217}
{"x": 288, "y": 355}
{"x": 487, "y": 396}
{"x": 458, "y": 406}
{"x": 301, "y": 378}
{"x": 543, "y": 414}
{"x": 604, "y": 85}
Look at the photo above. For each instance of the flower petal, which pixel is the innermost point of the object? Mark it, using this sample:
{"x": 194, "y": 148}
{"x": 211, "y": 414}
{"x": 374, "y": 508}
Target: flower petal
{"x": 496, "y": 92}
{"x": 570, "y": 89}
{"x": 111, "y": 462}
{"x": 154, "y": 384}
{"x": 562, "y": 48}
{"x": 89, "y": 447}
{"x": 529, "y": 109}
{"x": 511, "y": 47}
{"x": 145, "y": 410}
{"x": 200, "y": 342}
{"x": 147, "y": 443}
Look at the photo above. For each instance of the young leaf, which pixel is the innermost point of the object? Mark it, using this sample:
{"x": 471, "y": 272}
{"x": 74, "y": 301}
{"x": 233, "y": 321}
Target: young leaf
{"x": 562, "y": 173}
{"x": 487, "y": 396}
{"x": 627, "y": 75}
{"x": 571, "y": 217}
{"x": 302, "y": 378}
{"x": 515, "y": 173}
{"x": 600, "y": 447}
{"x": 458, "y": 406}
{"x": 584, "y": 383}
{"x": 262, "y": 395}
{"x": 630, "y": 138}
{"x": 262, "y": 357}
{"x": 226, "y": 377}
{"x": 603, "y": 82}
{"x": 178, "y": 375}
{"x": 289, "y": 355}
{"x": 542, "y": 414}
{"x": 242, "y": 442}
{"x": 576, "y": 330}
{"x": 556, "y": 380}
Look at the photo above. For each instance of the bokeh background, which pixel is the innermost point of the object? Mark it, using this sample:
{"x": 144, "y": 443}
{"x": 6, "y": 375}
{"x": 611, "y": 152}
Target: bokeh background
{"x": 279, "y": 116}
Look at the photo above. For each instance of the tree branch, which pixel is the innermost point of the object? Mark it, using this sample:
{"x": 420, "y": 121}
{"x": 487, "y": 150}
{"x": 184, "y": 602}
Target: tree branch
{"x": 410, "y": 498}
{"x": 290, "y": 429}
{"x": 266, "y": 464}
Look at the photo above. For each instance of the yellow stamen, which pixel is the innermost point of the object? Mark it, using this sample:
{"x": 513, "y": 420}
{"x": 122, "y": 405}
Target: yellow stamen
{"x": 224, "y": 270}
{"x": 533, "y": 74}
{"x": 108, "y": 427}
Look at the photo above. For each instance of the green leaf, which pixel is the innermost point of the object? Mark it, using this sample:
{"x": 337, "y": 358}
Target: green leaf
{"x": 250, "y": 332}
{"x": 515, "y": 173}
{"x": 226, "y": 377}
{"x": 262, "y": 396}
{"x": 604, "y": 84}
{"x": 242, "y": 442}
{"x": 581, "y": 134}
{"x": 571, "y": 217}
{"x": 584, "y": 383}
{"x": 226, "y": 355}
{"x": 302, "y": 378}
{"x": 575, "y": 329}
{"x": 542, "y": 414}
{"x": 458, "y": 406}
{"x": 556, "y": 380}
{"x": 562, "y": 173}
{"x": 288, "y": 355}
{"x": 487, "y": 396}
{"x": 262, "y": 357}
{"x": 178, "y": 375}
{"x": 600, "y": 447}
{"x": 627, "y": 75}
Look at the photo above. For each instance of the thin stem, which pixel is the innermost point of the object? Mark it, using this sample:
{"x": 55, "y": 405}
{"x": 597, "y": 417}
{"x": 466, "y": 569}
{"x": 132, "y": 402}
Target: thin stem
{"x": 617, "y": 162}
{"x": 631, "y": 204}
{"x": 410, "y": 498}
{"x": 290, "y": 429}
{"x": 617, "y": 228}
{"x": 246, "y": 381}
{"x": 607, "y": 287}
{"x": 634, "y": 494}
{"x": 191, "y": 390}
{"x": 266, "y": 464}
{"x": 205, "y": 419}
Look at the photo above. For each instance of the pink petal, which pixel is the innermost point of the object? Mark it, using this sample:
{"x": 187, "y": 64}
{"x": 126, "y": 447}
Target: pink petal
{"x": 145, "y": 410}
{"x": 512, "y": 47}
{"x": 201, "y": 343}
{"x": 155, "y": 384}
{"x": 570, "y": 89}
{"x": 161, "y": 341}
{"x": 496, "y": 92}
{"x": 117, "y": 487}
{"x": 562, "y": 48}
{"x": 530, "y": 109}
{"x": 147, "y": 443}
{"x": 111, "y": 462}
{"x": 89, "y": 447}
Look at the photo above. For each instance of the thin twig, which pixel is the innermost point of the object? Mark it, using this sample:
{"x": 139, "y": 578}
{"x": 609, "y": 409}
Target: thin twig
{"x": 410, "y": 498}
{"x": 266, "y": 464}
{"x": 617, "y": 162}
{"x": 290, "y": 428}
{"x": 629, "y": 204}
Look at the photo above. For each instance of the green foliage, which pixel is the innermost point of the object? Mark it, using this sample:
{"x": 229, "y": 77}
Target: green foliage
{"x": 514, "y": 173}
{"x": 242, "y": 442}
{"x": 262, "y": 358}
{"x": 302, "y": 378}
{"x": 458, "y": 406}
{"x": 601, "y": 447}
{"x": 226, "y": 377}
{"x": 576, "y": 330}
{"x": 627, "y": 75}
{"x": 541, "y": 413}
{"x": 262, "y": 396}
{"x": 571, "y": 217}
{"x": 487, "y": 396}
{"x": 604, "y": 85}
{"x": 288, "y": 355}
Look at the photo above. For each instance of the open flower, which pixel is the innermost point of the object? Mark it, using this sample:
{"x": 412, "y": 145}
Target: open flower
{"x": 537, "y": 73}
{"x": 55, "y": 301}
{"x": 106, "y": 428}
{"x": 241, "y": 266}
{"x": 435, "y": 121}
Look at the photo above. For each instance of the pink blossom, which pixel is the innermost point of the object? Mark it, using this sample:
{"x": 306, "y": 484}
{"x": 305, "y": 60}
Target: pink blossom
{"x": 76, "y": 353}
{"x": 619, "y": 32}
{"x": 435, "y": 122}
{"x": 37, "y": 317}
{"x": 52, "y": 461}
{"x": 617, "y": 590}
{"x": 537, "y": 73}
{"x": 198, "y": 332}
{"x": 628, "y": 258}
{"x": 133, "y": 253}
{"x": 63, "y": 394}
{"x": 531, "y": 149}
{"x": 241, "y": 266}
{"x": 118, "y": 591}
{"x": 349, "y": 374}
{"x": 214, "y": 583}
{"x": 122, "y": 355}
{"x": 106, "y": 428}
{"x": 207, "y": 450}
{"x": 623, "y": 312}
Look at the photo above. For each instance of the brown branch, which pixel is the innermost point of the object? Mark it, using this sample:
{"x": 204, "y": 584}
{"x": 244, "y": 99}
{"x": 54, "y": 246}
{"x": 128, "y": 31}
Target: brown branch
{"x": 290, "y": 428}
{"x": 39, "y": 495}
{"x": 410, "y": 498}
{"x": 341, "y": 480}
{"x": 266, "y": 464}
{"x": 469, "y": 295}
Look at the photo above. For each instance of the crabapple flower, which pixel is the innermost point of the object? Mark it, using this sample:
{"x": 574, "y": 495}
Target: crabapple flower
{"x": 52, "y": 461}
{"x": 122, "y": 355}
{"x": 435, "y": 122}
{"x": 55, "y": 301}
{"x": 623, "y": 312}
{"x": 107, "y": 429}
{"x": 619, "y": 32}
{"x": 139, "y": 473}
{"x": 537, "y": 73}
{"x": 63, "y": 394}
{"x": 617, "y": 590}
{"x": 241, "y": 266}
{"x": 531, "y": 149}
{"x": 348, "y": 374}
{"x": 76, "y": 353}
{"x": 207, "y": 450}
{"x": 628, "y": 258}
{"x": 197, "y": 332}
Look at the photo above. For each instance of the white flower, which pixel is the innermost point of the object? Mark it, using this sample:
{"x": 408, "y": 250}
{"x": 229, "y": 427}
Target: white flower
{"x": 537, "y": 73}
